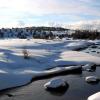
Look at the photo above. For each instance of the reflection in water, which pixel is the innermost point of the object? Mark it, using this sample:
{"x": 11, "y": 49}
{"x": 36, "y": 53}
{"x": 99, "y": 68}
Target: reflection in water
{"x": 95, "y": 83}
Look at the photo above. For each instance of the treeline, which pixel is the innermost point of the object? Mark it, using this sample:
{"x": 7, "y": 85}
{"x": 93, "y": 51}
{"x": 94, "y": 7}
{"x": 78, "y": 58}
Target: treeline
{"x": 33, "y": 32}
{"x": 48, "y": 33}
{"x": 85, "y": 34}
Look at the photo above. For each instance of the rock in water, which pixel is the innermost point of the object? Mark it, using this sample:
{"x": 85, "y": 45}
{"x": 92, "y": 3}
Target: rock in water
{"x": 56, "y": 84}
{"x": 89, "y": 67}
{"x": 95, "y": 96}
{"x": 94, "y": 46}
{"x": 92, "y": 79}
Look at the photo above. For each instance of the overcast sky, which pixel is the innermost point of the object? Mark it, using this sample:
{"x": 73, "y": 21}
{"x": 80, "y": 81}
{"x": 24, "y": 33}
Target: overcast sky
{"x": 46, "y": 12}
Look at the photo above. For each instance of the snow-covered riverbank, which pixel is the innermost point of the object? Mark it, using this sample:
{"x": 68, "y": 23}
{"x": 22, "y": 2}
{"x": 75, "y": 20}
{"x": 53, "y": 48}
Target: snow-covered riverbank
{"x": 43, "y": 54}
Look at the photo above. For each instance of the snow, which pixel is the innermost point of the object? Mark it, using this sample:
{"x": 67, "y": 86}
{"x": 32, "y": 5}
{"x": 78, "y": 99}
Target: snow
{"x": 92, "y": 79}
{"x": 13, "y": 78}
{"x": 51, "y": 71}
{"x": 55, "y": 83}
{"x": 43, "y": 54}
{"x": 76, "y": 58}
{"x": 95, "y": 96}
{"x": 78, "y": 45}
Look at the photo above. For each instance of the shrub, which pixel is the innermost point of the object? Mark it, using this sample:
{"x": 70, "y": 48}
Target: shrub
{"x": 25, "y": 54}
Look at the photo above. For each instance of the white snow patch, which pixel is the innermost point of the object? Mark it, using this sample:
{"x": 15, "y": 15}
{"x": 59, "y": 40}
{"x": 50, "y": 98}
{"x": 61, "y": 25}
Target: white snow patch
{"x": 95, "y": 96}
{"x": 78, "y": 45}
{"x": 78, "y": 58}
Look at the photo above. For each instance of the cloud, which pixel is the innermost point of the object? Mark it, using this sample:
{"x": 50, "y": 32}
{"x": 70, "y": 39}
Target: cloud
{"x": 30, "y": 11}
{"x": 89, "y": 25}
{"x": 49, "y": 6}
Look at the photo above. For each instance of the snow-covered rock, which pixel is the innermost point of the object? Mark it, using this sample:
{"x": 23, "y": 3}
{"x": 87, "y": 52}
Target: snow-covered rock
{"x": 92, "y": 79}
{"x": 93, "y": 46}
{"x": 89, "y": 67}
{"x": 56, "y": 84}
{"x": 95, "y": 96}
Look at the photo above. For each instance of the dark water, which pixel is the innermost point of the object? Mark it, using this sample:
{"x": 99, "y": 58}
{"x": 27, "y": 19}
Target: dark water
{"x": 78, "y": 88}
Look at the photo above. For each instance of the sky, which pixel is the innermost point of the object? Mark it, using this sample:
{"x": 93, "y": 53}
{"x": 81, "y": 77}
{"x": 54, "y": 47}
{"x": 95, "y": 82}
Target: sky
{"x": 19, "y": 13}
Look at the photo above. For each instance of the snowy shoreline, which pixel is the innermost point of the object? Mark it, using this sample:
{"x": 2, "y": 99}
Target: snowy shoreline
{"x": 48, "y": 73}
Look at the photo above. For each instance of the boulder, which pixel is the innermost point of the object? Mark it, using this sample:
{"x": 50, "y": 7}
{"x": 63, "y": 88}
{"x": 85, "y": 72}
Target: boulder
{"x": 56, "y": 84}
{"x": 94, "y": 46}
{"x": 92, "y": 79}
{"x": 89, "y": 67}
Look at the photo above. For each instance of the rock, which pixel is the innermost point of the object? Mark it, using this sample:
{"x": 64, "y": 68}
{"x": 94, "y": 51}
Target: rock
{"x": 93, "y": 46}
{"x": 98, "y": 52}
{"x": 89, "y": 70}
{"x": 89, "y": 67}
{"x": 9, "y": 95}
{"x": 95, "y": 96}
{"x": 93, "y": 51}
{"x": 92, "y": 79}
{"x": 56, "y": 84}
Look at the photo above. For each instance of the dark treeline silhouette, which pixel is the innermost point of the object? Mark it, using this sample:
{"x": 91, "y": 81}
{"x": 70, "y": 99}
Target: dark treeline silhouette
{"x": 1, "y": 34}
{"x": 86, "y": 34}
{"x": 49, "y": 34}
{"x": 33, "y": 32}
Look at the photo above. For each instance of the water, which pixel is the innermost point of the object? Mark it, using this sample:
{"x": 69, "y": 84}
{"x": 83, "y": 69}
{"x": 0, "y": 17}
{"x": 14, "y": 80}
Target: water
{"x": 78, "y": 89}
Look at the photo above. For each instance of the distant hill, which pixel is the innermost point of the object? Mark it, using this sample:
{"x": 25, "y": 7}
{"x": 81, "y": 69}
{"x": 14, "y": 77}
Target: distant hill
{"x": 47, "y": 28}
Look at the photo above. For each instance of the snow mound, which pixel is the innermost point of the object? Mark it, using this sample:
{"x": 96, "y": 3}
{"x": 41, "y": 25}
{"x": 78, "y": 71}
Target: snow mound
{"x": 95, "y": 96}
{"x": 78, "y": 45}
{"x": 77, "y": 58}
{"x": 56, "y": 84}
{"x": 92, "y": 79}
